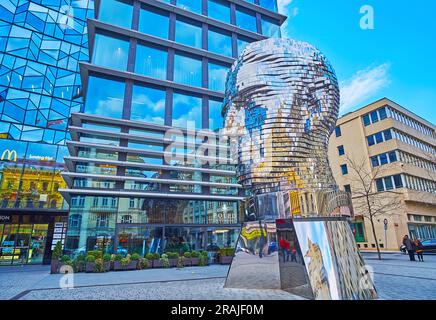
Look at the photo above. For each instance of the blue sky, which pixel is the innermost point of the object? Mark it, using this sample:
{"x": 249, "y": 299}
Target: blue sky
{"x": 396, "y": 59}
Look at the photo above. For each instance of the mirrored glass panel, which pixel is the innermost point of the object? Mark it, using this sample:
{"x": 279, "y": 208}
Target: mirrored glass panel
{"x": 188, "y": 33}
{"x": 187, "y": 111}
{"x": 106, "y": 99}
{"x": 219, "y": 42}
{"x": 151, "y": 61}
{"x": 123, "y": 9}
{"x": 110, "y": 52}
{"x": 149, "y": 18}
{"x": 187, "y": 70}
{"x": 148, "y": 105}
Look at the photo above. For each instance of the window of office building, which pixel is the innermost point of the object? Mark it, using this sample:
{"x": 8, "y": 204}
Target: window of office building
{"x": 215, "y": 117}
{"x": 188, "y": 33}
{"x": 149, "y": 18}
{"x": 191, "y": 5}
{"x": 269, "y": 4}
{"x": 123, "y": 10}
{"x": 347, "y": 188}
{"x": 338, "y": 131}
{"x": 219, "y": 10}
{"x": 219, "y": 42}
{"x": 379, "y": 137}
{"x": 242, "y": 43}
{"x": 148, "y": 105}
{"x": 344, "y": 169}
{"x": 187, "y": 70}
{"x": 270, "y": 27}
{"x": 374, "y": 116}
{"x": 106, "y": 97}
{"x": 187, "y": 111}
{"x": 217, "y": 76}
{"x": 389, "y": 183}
{"x": 151, "y": 61}
{"x": 246, "y": 19}
{"x": 341, "y": 150}
{"x": 110, "y": 52}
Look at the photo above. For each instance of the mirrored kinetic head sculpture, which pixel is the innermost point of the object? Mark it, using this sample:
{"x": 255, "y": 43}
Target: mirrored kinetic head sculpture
{"x": 281, "y": 106}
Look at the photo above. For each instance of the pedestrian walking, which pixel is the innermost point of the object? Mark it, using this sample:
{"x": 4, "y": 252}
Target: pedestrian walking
{"x": 410, "y": 247}
{"x": 419, "y": 250}
{"x": 284, "y": 249}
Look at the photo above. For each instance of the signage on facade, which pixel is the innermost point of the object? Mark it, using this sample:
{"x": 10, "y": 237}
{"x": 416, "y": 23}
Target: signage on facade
{"x": 5, "y": 218}
{"x": 10, "y": 155}
{"x": 60, "y": 231}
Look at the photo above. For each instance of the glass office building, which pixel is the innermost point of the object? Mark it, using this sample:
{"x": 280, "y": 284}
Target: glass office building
{"x": 157, "y": 66}
{"x": 41, "y": 43}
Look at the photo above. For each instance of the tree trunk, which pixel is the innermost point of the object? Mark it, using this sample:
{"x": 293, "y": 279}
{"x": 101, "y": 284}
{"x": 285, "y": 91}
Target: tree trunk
{"x": 371, "y": 219}
{"x": 375, "y": 237}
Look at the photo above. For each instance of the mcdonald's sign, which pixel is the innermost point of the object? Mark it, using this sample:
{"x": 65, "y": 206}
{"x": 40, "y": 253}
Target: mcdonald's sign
{"x": 9, "y": 155}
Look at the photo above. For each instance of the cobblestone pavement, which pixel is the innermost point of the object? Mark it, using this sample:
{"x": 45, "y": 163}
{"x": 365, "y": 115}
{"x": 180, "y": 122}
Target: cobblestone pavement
{"x": 395, "y": 278}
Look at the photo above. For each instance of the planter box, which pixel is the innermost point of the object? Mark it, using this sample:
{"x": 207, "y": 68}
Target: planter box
{"x": 156, "y": 264}
{"x": 90, "y": 267}
{"x": 54, "y": 267}
{"x": 131, "y": 266}
{"x": 173, "y": 262}
{"x": 187, "y": 262}
{"x": 80, "y": 267}
{"x": 195, "y": 261}
{"x": 226, "y": 260}
{"x": 107, "y": 266}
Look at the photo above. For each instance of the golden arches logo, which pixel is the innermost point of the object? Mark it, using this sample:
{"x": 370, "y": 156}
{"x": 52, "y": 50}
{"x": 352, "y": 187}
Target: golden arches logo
{"x": 10, "y": 155}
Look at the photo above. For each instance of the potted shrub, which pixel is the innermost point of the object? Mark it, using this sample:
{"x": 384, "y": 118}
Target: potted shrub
{"x": 226, "y": 255}
{"x": 203, "y": 258}
{"x": 90, "y": 263}
{"x": 165, "y": 261}
{"x": 157, "y": 262}
{"x": 124, "y": 263}
{"x": 134, "y": 260}
{"x": 144, "y": 263}
{"x": 56, "y": 255}
{"x": 173, "y": 258}
{"x": 195, "y": 258}
{"x": 98, "y": 266}
{"x": 79, "y": 263}
{"x": 107, "y": 262}
{"x": 181, "y": 262}
{"x": 187, "y": 259}
{"x": 117, "y": 262}
{"x": 65, "y": 261}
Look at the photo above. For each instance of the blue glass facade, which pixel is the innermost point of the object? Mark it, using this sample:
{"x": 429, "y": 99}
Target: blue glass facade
{"x": 150, "y": 66}
{"x": 41, "y": 44}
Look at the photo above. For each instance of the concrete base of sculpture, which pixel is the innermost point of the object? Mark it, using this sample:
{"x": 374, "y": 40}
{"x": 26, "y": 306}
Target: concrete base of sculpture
{"x": 316, "y": 258}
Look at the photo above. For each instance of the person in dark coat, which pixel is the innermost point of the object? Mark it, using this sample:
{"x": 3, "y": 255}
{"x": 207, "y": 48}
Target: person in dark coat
{"x": 410, "y": 247}
{"x": 419, "y": 248}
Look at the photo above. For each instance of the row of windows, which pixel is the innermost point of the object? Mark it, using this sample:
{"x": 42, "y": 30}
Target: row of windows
{"x": 216, "y": 5}
{"x": 417, "y": 161}
{"x": 148, "y": 104}
{"x": 414, "y": 142}
{"x": 145, "y": 210}
{"x": 384, "y": 158}
{"x": 379, "y": 137}
{"x": 151, "y": 61}
{"x": 421, "y": 218}
{"x": 411, "y": 123}
{"x": 420, "y": 184}
{"x": 374, "y": 116}
{"x": 389, "y": 183}
{"x": 219, "y": 10}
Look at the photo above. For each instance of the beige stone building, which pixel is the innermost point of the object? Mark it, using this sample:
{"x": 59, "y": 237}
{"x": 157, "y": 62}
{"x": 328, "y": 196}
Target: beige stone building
{"x": 398, "y": 150}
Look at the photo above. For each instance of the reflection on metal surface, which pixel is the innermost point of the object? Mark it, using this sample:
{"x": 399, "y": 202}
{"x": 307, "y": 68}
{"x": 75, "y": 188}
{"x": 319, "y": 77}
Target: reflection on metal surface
{"x": 281, "y": 106}
{"x": 255, "y": 264}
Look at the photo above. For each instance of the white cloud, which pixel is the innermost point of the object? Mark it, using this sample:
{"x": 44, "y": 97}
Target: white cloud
{"x": 362, "y": 85}
{"x": 285, "y": 7}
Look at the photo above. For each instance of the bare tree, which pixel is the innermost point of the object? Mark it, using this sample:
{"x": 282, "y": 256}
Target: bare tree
{"x": 366, "y": 199}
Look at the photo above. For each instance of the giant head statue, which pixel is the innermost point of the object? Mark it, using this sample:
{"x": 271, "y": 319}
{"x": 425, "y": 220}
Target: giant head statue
{"x": 281, "y": 106}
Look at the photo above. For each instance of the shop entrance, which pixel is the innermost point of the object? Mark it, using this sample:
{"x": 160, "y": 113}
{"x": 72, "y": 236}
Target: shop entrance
{"x": 22, "y": 243}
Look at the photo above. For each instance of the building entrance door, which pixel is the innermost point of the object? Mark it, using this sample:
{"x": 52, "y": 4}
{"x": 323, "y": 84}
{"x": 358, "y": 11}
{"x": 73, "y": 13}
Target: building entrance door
{"x": 22, "y": 243}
